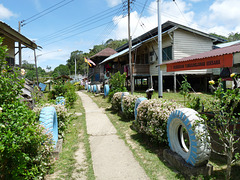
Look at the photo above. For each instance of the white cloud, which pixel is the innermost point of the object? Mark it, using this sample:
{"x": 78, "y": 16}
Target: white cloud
{"x": 5, "y": 13}
{"x": 225, "y": 11}
{"x": 169, "y": 12}
{"x": 112, "y": 3}
{"x": 222, "y": 17}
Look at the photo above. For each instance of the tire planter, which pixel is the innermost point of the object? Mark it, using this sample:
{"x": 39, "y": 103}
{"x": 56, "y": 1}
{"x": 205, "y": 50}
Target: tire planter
{"x": 60, "y": 100}
{"x": 123, "y": 94}
{"x": 98, "y": 90}
{"x": 106, "y": 89}
{"x": 89, "y": 88}
{"x": 180, "y": 130}
{"x": 95, "y": 88}
{"x": 138, "y": 101}
{"x": 48, "y": 118}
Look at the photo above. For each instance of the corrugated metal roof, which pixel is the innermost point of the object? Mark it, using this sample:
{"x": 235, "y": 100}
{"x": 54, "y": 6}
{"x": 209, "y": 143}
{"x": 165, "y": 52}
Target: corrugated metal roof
{"x": 105, "y": 53}
{"x": 216, "y": 52}
{"x": 120, "y": 53}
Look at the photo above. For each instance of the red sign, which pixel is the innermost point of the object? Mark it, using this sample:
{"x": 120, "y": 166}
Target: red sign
{"x": 204, "y": 63}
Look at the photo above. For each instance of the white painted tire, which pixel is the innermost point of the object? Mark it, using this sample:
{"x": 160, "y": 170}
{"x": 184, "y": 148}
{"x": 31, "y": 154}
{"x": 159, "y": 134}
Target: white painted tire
{"x": 198, "y": 151}
{"x": 98, "y": 88}
{"x": 123, "y": 94}
{"x": 138, "y": 101}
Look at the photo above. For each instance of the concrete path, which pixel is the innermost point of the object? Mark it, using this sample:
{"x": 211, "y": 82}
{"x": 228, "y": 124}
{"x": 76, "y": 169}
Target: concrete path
{"x": 112, "y": 159}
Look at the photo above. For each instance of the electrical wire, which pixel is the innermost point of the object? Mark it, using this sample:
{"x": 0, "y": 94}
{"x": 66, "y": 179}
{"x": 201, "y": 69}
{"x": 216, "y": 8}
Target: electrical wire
{"x": 39, "y": 15}
{"x": 88, "y": 21}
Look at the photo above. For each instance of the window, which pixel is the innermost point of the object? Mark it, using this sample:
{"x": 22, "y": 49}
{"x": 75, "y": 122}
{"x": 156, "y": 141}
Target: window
{"x": 167, "y": 53}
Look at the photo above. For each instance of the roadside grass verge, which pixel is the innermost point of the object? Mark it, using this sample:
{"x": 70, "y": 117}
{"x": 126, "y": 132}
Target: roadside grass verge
{"x": 76, "y": 133}
{"x": 150, "y": 154}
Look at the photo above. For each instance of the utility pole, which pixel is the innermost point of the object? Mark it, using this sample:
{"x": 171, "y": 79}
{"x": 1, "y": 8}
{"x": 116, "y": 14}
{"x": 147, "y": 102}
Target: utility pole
{"x": 130, "y": 49}
{"x": 35, "y": 57}
{"x": 19, "y": 46}
{"x": 160, "y": 83}
{"x": 75, "y": 68}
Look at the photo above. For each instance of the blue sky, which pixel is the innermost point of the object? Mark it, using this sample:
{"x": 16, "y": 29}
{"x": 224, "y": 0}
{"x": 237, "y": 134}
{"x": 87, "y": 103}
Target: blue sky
{"x": 80, "y": 24}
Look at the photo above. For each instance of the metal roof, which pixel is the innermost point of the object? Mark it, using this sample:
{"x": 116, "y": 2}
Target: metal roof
{"x": 6, "y": 30}
{"x": 216, "y": 52}
{"x": 105, "y": 53}
{"x": 120, "y": 53}
{"x": 227, "y": 44}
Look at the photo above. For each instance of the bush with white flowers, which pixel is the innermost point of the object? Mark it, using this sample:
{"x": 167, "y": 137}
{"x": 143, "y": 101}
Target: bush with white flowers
{"x": 128, "y": 103}
{"x": 152, "y": 118}
{"x": 116, "y": 101}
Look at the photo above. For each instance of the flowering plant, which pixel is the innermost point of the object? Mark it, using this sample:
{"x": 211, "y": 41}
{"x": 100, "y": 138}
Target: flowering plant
{"x": 128, "y": 103}
{"x": 223, "y": 125}
{"x": 116, "y": 101}
{"x": 25, "y": 151}
{"x": 152, "y": 118}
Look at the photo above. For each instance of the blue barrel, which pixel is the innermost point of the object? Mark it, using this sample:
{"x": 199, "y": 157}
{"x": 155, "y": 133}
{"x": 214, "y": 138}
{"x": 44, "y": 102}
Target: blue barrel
{"x": 123, "y": 94}
{"x": 48, "y": 118}
{"x": 106, "y": 89}
{"x": 95, "y": 88}
{"x": 89, "y": 88}
{"x": 60, "y": 100}
{"x": 138, "y": 101}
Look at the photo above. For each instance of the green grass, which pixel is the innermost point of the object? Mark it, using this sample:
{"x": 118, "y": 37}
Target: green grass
{"x": 65, "y": 165}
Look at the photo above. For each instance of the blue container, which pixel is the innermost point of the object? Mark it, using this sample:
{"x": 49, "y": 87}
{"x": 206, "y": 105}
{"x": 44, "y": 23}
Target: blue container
{"x": 48, "y": 118}
{"x": 106, "y": 89}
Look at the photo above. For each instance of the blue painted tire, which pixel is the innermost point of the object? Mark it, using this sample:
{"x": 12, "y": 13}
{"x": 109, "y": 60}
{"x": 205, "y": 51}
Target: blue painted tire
{"x": 60, "y": 100}
{"x": 198, "y": 151}
{"x": 123, "y": 94}
{"x": 98, "y": 90}
{"x": 89, "y": 88}
{"x": 138, "y": 101}
{"x": 48, "y": 118}
{"x": 94, "y": 88}
{"x": 106, "y": 90}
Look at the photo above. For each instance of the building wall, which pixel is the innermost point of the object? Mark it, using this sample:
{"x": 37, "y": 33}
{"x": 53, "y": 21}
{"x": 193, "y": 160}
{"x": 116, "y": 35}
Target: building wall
{"x": 184, "y": 44}
{"x": 10, "y": 45}
{"x": 187, "y": 44}
{"x": 166, "y": 41}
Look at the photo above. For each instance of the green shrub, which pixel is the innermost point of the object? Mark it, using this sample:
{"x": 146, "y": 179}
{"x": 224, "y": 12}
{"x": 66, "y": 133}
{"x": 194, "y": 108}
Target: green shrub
{"x": 64, "y": 89}
{"x": 117, "y": 82}
{"x": 152, "y": 118}
{"x": 128, "y": 103}
{"x": 116, "y": 101}
{"x": 25, "y": 149}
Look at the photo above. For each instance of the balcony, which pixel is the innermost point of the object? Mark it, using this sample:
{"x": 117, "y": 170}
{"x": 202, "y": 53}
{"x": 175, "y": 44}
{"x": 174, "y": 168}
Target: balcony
{"x": 141, "y": 69}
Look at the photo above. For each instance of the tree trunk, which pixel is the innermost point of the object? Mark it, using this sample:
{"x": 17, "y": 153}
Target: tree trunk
{"x": 229, "y": 159}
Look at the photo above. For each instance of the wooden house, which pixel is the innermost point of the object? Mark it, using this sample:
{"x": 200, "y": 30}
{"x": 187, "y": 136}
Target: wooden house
{"x": 178, "y": 41}
{"x": 96, "y": 73}
{"x": 15, "y": 42}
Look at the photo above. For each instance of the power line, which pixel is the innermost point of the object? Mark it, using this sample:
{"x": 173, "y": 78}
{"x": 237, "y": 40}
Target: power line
{"x": 78, "y": 33}
{"x": 41, "y": 14}
{"x": 96, "y": 18}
